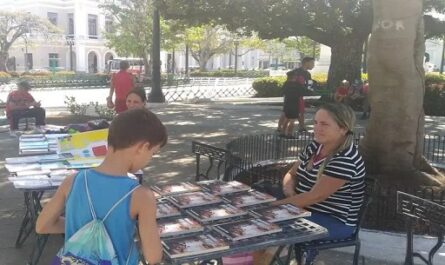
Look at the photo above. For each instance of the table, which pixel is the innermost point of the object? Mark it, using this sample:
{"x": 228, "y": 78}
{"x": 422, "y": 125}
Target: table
{"x": 307, "y": 231}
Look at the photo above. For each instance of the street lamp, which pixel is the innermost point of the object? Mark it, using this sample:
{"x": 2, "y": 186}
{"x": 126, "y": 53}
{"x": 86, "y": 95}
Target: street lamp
{"x": 236, "y": 42}
{"x": 25, "y": 38}
{"x": 70, "y": 42}
{"x": 442, "y": 61}
{"x": 156, "y": 94}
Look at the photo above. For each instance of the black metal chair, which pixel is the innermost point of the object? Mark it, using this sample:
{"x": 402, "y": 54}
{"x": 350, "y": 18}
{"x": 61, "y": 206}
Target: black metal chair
{"x": 217, "y": 165}
{"x": 353, "y": 240}
{"x": 417, "y": 210}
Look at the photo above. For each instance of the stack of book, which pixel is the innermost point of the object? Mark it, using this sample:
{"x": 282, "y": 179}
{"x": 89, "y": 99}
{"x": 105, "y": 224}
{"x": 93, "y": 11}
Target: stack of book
{"x": 194, "y": 245}
{"x": 178, "y": 226}
{"x": 166, "y": 209}
{"x": 193, "y": 199}
{"x": 244, "y": 229}
{"x": 171, "y": 189}
{"x": 220, "y": 187}
{"x": 33, "y": 144}
{"x": 248, "y": 198}
{"x": 212, "y": 213}
{"x": 280, "y": 213}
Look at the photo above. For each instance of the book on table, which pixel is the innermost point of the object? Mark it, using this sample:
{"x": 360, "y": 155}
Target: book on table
{"x": 32, "y": 184}
{"x": 194, "y": 245}
{"x": 37, "y": 159}
{"x": 171, "y": 189}
{"x": 247, "y": 229}
{"x": 220, "y": 187}
{"x": 280, "y": 213}
{"x": 248, "y": 198}
{"x": 178, "y": 226}
{"x": 215, "y": 212}
{"x": 166, "y": 209}
{"x": 192, "y": 199}
{"x": 13, "y": 168}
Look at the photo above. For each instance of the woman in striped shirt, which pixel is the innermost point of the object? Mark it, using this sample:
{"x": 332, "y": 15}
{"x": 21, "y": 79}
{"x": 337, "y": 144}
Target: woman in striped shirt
{"x": 328, "y": 178}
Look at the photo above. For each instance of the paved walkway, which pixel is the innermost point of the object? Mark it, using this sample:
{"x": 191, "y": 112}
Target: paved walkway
{"x": 215, "y": 123}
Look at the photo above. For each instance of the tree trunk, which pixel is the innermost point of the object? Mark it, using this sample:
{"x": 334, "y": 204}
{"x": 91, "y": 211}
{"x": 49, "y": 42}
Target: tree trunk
{"x": 3, "y": 60}
{"x": 346, "y": 59}
{"x": 393, "y": 143}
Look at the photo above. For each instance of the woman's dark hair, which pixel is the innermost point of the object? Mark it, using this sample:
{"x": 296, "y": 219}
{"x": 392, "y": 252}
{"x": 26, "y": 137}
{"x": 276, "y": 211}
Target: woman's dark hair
{"x": 137, "y": 125}
{"x": 139, "y": 92}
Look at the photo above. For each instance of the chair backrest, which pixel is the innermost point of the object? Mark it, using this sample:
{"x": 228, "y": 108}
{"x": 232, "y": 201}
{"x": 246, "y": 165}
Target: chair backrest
{"x": 216, "y": 164}
{"x": 418, "y": 209}
{"x": 370, "y": 184}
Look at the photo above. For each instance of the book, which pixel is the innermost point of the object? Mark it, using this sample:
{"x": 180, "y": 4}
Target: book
{"x": 32, "y": 172}
{"x": 53, "y": 166}
{"x": 166, "y": 209}
{"x": 194, "y": 245}
{"x": 170, "y": 189}
{"x": 248, "y": 198}
{"x": 32, "y": 184}
{"x": 247, "y": 229}
{"x": 37, "y": 158}
{"x": 84, "y": 162}
{"x": 178, "y": 226}
{"x": 220, "y": 187}
{"x": 215, "y": 212}
{"x": 12, "y": 168}
{"x": 192, "y": 199}
{"x": 280, "y": 213}
{"x": 32, "y": 177}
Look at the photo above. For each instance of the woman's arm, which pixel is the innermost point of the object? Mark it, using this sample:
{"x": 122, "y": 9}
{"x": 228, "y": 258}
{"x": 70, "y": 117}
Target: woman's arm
{"x": 110, "y": 93}
{"x": 50, "y": 220}
{"x": 144, "y": 204}
{"x": 323, "y": 188}
{"x": 289, "y": 180}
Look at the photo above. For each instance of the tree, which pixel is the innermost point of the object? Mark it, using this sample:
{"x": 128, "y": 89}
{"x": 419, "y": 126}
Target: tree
{"x": 132, "y": 28}
{"x": 207, "y": 40}
{"x": 393, "y": 144}
{"x": 343, "y": 25}
{"x": 14, "y": 26}
{"x": 304, "y": 45}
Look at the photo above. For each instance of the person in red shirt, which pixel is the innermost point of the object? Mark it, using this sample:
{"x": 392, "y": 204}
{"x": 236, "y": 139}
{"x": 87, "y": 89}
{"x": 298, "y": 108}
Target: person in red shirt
{"x": 121, "y": 83}
{"x": 21, "y": 104}
{"x": 341, "y": 93}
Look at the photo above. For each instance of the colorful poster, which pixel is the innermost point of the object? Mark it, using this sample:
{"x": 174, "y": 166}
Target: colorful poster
{"x": 85, "y": 144}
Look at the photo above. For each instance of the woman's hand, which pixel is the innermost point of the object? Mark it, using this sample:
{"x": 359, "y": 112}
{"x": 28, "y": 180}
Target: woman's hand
{"x": 110, "y": 104}
{"x": 289, "y": 185}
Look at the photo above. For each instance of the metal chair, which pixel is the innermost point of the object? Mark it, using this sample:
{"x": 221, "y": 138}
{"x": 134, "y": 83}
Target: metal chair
{"x": 417, "y": 210}
{"x": 217, "y": 164}
{"x": 353, "y": 240}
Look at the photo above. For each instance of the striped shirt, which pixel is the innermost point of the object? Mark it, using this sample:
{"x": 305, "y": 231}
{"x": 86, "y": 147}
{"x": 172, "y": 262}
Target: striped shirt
{"x": 345, "y": 203}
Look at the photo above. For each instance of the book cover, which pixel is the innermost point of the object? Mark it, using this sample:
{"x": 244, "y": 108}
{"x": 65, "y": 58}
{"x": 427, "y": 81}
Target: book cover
{"x": 280, "y": 213}
{"x": 170, "y": 189}
{"x": 192, "y": 199}
{"x": 32, "y": 172}
{"x": 37, "y": 159}
{"x": 194, "y": 245}
{"x": 26, "y": 178}
{"x": 85, "y": 144}
{"x": 84, "y": 162}
{"x": 220, "y": 187}
{"x": 178, "y": 226}
{"x": 166, "y": 209}
{"x": 247, "y": 229}
{"x": 215, "y": 212}
{"x": 248, "y": 198}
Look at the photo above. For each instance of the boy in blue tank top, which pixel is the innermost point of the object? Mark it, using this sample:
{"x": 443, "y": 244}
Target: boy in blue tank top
{"x": 134, "y": 137}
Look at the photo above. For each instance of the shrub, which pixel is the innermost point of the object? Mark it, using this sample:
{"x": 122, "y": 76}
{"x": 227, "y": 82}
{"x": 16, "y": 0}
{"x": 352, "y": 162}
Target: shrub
{"x": 269, "y": 86}
{"x": 321, "y": 79}
{"x": 4, "y": 75}
{"x": 74, "y": 107}
{"x": 231, "y": 73}
{"x": 434, "y": 78}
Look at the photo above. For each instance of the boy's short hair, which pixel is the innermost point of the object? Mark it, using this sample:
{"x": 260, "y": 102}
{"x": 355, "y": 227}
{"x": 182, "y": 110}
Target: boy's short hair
{"x": 137, "y": 125}
{"x": 307, "y": 59}
{"x": 124, "y": 65}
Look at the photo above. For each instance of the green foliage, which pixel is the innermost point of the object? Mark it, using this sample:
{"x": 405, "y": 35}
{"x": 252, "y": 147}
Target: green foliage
{"x": 103, "y": 111}
{"x": 74, "y": 107}
{"x": 4, "y": 75}
{"x": 434, "y": 78}
{"x": 231, "y": 73}
{"x": 269, "y": 86}
{"x": 434, "y": 99}
{"x": 304, "y": 45}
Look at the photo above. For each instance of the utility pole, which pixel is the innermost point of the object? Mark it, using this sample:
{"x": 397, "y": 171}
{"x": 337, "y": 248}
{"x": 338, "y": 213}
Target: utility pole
{"x": 156, "y": 94}
{"x": 442, "y": 61}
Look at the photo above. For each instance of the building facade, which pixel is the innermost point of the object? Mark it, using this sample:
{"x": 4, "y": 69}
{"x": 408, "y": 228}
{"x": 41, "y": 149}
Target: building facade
{"x": 82, "y": 25}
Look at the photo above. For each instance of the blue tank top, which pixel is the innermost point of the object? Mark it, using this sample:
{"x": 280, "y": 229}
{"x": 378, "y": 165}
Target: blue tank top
{"x": 105, "y": 191}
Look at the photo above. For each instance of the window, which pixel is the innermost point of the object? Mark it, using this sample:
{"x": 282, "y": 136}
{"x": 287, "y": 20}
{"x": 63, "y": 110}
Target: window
{"x": 92, "y": 26}
{"x": 108, "y": 24}
{"x": 52, "y": 17}
{"x": 70, "y": 24}
{"x": 53, "y": 60}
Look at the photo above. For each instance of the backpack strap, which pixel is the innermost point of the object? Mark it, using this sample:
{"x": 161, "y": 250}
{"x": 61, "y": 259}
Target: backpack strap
{"x": 90, "y": 203}
{"x": 119, "y": 201}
